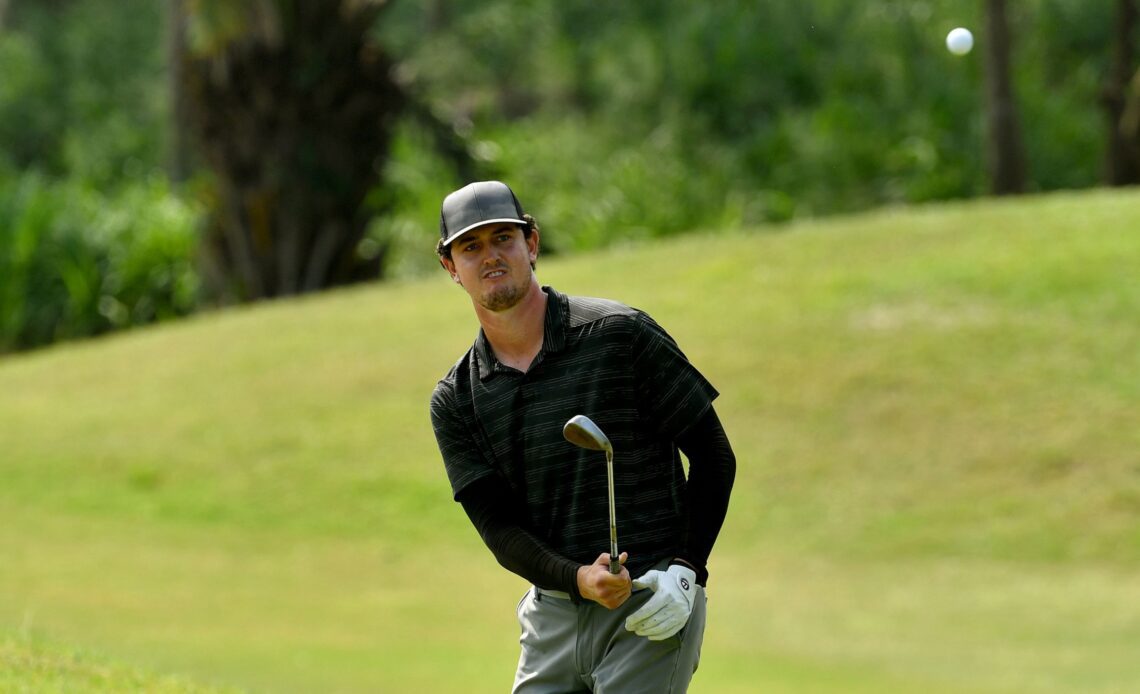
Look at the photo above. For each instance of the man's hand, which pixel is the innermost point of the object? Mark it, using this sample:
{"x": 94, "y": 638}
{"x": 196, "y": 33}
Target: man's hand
{"x": 668, "y": 610}
{"x": 595, "y": 582}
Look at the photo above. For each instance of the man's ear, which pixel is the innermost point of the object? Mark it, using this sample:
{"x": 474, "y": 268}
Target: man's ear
{"x": 449, "y": 265}
{"x": 532, "y": 244}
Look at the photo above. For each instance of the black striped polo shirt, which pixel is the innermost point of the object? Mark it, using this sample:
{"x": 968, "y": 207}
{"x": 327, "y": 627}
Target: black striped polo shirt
{"x": 613, "y": 364}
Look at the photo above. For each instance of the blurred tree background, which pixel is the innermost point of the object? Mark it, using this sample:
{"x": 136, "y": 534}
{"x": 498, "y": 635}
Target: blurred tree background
{"x": 157, "y": 158}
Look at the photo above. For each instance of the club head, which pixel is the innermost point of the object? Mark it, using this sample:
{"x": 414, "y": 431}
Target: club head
{"x": 581, "y": 431}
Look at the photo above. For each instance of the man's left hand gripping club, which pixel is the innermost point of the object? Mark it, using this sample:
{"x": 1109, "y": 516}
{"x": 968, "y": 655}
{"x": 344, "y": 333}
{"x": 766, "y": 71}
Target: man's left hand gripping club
{"x": 668, "y": 610}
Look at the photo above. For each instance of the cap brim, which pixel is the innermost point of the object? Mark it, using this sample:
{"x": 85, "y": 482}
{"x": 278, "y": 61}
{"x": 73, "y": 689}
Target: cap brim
{"x": 464, "y": 230}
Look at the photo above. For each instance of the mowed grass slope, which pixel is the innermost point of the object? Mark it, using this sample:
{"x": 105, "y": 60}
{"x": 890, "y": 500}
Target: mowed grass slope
{"x": 935, "y": 413}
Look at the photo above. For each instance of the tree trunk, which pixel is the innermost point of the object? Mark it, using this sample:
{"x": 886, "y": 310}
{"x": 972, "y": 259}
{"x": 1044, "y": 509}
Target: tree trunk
{"x": 1121, "y": 101}
{"x": 294, "y": 117}
{"x": 177, "y": 149}
{"x": 1006, "y": 158}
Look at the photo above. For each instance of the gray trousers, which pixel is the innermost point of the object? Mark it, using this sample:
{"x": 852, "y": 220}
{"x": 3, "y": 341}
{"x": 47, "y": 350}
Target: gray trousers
{"x": 568, "y": 648}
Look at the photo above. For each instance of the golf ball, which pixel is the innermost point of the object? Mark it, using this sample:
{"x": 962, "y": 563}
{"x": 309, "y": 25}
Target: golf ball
{"x": 959, "y": 41}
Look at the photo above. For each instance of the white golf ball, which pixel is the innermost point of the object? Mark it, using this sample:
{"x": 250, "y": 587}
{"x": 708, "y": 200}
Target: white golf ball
{"x": 959, "y": 41}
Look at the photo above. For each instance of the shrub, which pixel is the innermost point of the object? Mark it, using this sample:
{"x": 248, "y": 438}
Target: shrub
{"x": 77, "y": 262}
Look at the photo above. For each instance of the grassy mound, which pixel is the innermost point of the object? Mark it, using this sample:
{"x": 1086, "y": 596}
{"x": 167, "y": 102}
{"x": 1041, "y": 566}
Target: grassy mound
{"x": 933, "y": 409}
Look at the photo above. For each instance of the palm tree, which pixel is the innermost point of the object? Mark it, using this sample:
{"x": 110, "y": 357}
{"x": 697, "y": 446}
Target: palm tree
{"x": 293, "y": 106}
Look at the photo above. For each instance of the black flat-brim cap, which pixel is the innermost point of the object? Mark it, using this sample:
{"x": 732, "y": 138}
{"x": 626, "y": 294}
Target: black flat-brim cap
{"x": 476, "y": 204}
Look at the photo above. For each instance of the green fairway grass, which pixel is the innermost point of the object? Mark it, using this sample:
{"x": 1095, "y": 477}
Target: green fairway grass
{"x": 936, "y": 415}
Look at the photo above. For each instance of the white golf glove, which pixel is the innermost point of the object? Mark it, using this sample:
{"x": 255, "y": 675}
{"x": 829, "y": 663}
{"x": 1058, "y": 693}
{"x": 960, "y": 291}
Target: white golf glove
{"x": 668, "y": 610}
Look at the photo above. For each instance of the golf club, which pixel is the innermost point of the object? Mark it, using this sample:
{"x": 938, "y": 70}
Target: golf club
{"x": 581, "y": 431}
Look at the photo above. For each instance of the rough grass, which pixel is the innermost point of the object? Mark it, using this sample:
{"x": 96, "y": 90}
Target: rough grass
{"x": 934, "y": 412}
{"x": 33, "y": 667}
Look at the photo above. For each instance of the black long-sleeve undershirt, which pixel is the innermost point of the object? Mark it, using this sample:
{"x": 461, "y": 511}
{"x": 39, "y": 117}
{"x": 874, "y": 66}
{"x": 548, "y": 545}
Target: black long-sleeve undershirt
{"x": 712, "y": 471}
{"x": 499, "y": 518}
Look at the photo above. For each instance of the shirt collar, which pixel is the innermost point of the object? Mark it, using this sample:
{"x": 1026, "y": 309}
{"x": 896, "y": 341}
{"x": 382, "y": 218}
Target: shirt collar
{"x": 553, "y": 334}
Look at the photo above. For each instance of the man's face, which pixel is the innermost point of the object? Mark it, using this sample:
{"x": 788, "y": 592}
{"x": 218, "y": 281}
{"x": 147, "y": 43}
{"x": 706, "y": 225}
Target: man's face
{"x": 493, "y": 264}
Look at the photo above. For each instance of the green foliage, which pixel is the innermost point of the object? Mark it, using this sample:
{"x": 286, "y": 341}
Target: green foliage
{"x": 648, "y": 119}
{"x": 30, "y": 116}
{"x": 415, "y": 173}
{"x": 1062, "y": 69}
{"x": 89, "y": 240}
{"x": 76, "y": 262}
{"x": 612, "y": 191}
{"x": 84, "y": 93}
{"x": 618, "y": 122}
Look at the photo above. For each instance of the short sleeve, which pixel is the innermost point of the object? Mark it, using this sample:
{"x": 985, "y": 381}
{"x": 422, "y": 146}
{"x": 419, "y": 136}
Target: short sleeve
{"x": 461, "y": 457}
{"x": 671, "y": 390}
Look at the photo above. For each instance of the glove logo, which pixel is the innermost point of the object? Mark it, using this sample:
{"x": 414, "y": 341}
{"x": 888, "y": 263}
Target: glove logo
{"x": 685, "y": 583}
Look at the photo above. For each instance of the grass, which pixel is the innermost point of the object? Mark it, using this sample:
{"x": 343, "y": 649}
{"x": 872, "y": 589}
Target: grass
{"x": 933, "y": 409}
{"x": 47, "y": 669}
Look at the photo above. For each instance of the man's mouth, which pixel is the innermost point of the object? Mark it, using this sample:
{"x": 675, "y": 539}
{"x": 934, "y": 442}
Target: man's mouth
{"x": 494, "y": 274}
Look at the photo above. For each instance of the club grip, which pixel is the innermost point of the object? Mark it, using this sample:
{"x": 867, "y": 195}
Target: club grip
{"x": 615, "y": 566}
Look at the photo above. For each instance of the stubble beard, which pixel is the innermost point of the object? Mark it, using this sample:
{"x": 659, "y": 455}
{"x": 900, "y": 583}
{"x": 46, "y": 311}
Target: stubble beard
{"x": 503, "y": 298}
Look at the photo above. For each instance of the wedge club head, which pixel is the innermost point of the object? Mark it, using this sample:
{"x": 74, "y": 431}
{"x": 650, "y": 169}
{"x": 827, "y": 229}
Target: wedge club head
{"x": 582, "y": 432}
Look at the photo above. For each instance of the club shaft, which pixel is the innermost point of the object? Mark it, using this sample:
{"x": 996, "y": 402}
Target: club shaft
{"x": 615, "y": 563}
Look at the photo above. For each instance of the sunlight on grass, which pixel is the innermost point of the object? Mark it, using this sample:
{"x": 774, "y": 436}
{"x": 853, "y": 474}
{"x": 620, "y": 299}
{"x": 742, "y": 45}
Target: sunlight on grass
{"x": 933, "y": 412}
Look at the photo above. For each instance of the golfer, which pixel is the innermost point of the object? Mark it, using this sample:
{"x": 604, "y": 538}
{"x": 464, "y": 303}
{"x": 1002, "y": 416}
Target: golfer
{"x": 540, "y": 503}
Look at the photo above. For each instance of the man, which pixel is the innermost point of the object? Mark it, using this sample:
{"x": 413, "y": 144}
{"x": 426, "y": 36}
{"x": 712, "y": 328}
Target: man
{"x": 541, "y": 503}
